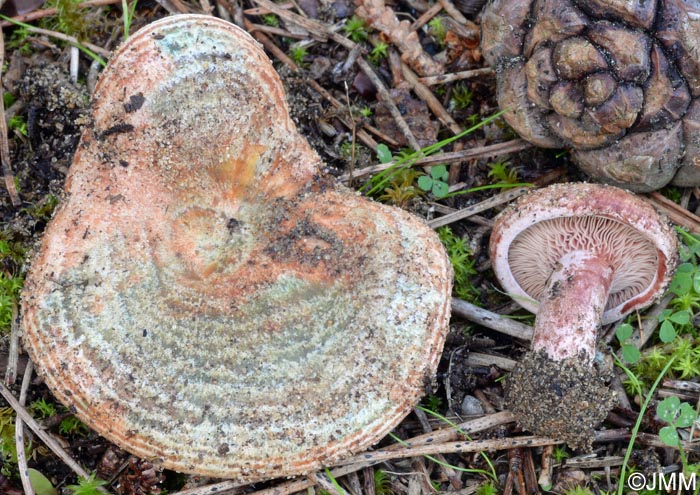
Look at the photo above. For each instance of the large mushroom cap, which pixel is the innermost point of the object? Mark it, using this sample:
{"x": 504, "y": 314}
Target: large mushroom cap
{"x": 203, "y": 298}
{"x": 532, "y": 236}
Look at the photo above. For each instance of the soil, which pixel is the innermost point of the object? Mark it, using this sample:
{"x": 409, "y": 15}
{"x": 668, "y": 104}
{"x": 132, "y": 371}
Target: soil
{"x": 567, "y": 399}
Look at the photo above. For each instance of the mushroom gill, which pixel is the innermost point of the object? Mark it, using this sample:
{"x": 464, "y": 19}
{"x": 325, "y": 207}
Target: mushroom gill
{"x": 205, "y": 297}
{"x": 535, "y": 252}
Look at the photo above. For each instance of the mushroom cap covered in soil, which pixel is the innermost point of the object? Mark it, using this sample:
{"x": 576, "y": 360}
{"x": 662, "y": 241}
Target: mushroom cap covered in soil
{"x": 577, "y": 255}
{"x": 205, "y": 298}
{"x": 616, "y": 82}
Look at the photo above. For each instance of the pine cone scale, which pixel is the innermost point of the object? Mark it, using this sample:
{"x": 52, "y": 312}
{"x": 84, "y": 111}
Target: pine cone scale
{"x": 598, "y": 74}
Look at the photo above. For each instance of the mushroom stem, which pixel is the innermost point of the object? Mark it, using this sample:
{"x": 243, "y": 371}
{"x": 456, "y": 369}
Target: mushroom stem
{"x": 570, "y": 312}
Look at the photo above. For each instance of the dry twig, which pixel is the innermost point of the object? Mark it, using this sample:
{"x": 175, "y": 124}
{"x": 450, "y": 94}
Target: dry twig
{"x": 44, "y": 436}
{"x": 464, "y": 447}
{"x": 19, "y": 434}
{"x": 4, "y": 144}
{"x": 676, "y": 213}
{"x": 545, "y": 479}
{"x": 497, "y": 149}
{"x": 491, "y": 320}
{"x": 475, "y": 359}
{"x": 383, "y": 18}
{"x": 456, "y": 76}
{"x": 353, "y": 465}
{"x": 487, "y": 204}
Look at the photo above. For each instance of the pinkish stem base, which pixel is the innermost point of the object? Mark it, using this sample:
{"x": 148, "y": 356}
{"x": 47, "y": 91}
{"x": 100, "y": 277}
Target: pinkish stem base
{"x": 570, "y": 313}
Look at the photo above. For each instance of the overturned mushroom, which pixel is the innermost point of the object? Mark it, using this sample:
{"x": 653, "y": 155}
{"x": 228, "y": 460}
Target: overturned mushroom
{"x": 206, "y": 298}
{"x": 579, "y": 256}
{"x": 616, "y": 82}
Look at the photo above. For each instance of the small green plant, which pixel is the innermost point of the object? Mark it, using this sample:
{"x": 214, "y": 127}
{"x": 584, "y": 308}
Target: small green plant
{"x": 128, "y": 16}
{"x": 70, "y": 18}
{"x": 677, "y": 415}
{"x": 366, "y": 112}
{"x": 432, "y": 402}
{"x": 488, "y": 488}
{"x": 19, "y": 41}
{"x": 687, "y": 366}
{"x": 503, "y": 172}
{"x": 686, "y": 282}
{"x": 87, "y": 486}
{"x": 298, "y": 53}
{"x": 462, "y": 262}
{"x": 271, "y": 20}
{"x": 8, "y": 452}
{"x": 473, "y": 118}
{"x": 403, "y": 160}
{"x": 43, "y": 209}
{"x": 669, "y": 319}
{"x": 673, "y": 193}
{"x": 40, "y": 483}
{"x": 9, "y": 293}
{"x": 29, "y": 28}
{"x": 678, "y": 353}
{"x": 559, "y": 454}
{"x": 19, "y": 124}
{"x": 356, "y": 29}
{"x": 347, "y": 150}
{"x": 438, "y": 30}
{"x": 10, "y": 250}
{"x": 382, "y": 484}
{"x": 579, "y": 490}
{"x": 436, "y": 182}
{"x": 380, "y": 51}
{"x": 629, "y": 351}
{"x": 683, "y": 350}
{"x": 634, "y": 380}
{"x": 402, "y": 188}
{"x": 384, "y": 153}
{"x": 462, "y": 97}
{"x": 72, "y": 426}
{"x": 42, "y": 409}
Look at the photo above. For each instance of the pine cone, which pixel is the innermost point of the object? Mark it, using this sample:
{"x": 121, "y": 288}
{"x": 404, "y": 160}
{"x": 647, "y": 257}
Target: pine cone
{"x": 616, "y": 81}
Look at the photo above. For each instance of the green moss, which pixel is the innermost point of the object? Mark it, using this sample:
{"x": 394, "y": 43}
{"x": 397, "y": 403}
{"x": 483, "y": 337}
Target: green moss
{"x": 356, "y": 29}
{"x": 462, "y": 97}
{"x": 298, "y": 54}
{"x": 10, "y": 287}
{"x": 87, "y": 486}
{"x": 73, "y": 426}
{"x": 438, "y": 30}
{"x": 19, "y": 124}
{"x": 70, "y": 18}
{"x": 461, "y": 258}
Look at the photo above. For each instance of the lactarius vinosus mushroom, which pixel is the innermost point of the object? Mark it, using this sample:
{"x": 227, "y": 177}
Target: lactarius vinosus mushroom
{"x": 578, "y": 256}
{"x": 615, "y": 81}
{"x": 207, "y": 299}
